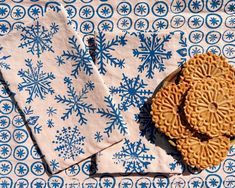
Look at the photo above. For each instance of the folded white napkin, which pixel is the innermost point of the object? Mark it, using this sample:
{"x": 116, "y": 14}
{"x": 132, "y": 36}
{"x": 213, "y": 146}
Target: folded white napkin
{"x": 68, "y": 108}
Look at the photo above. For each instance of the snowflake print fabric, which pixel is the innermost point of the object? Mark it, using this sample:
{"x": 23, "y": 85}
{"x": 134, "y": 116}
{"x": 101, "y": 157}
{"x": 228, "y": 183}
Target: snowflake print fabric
{"x": 148, "y": 57}
{"x": 202, "y": 26}
{"x": 65, "y": 104}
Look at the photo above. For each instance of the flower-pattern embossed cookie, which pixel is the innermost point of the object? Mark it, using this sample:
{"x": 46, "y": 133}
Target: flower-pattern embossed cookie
{"x": 203, "y": 153}
{"x": 166, "y": 113}
{"x": 207, "y": 65}
{"x": 210, "y": 106}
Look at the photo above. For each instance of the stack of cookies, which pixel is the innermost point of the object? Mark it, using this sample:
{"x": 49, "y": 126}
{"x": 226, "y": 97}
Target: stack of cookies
{"x": 198, "y": 112}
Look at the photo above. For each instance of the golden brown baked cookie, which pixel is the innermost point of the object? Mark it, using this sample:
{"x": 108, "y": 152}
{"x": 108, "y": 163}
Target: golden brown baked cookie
{"x": 165, "y": 111}
{"x": 203, "y": 154}
{"x": 206, "y": 66}
{"x": 210, "y": 107}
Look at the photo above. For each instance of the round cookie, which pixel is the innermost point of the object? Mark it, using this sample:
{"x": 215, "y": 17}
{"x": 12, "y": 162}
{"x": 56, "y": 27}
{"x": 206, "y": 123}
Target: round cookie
{"x": 210, "y": 107}
{"x": 203, "y": 154}
{"x": 207, "y": 65}
{"x": 165, "y": 111}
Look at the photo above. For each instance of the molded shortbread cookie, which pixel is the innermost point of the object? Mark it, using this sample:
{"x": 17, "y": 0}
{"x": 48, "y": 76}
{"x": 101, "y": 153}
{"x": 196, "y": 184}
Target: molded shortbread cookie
{"x": 165, "y": 111}
{"x": 207, "y": 65}
{"x": 203, "y": 154}
{"x": 210, "y": 107}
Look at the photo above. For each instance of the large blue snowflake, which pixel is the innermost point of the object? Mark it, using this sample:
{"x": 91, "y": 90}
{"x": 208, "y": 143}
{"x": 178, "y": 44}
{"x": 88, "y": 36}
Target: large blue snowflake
{"x": 37, "y": 39}
{"x": 35, "y": 81}
{"x": 134, "y": 156}
{"x": 114, "y": 116}
{"x": 152, "y": 53}
{"x": 69, "y": 143}
{"x": 146, "y": 125}
{"x": 132, "y": 92}
{"x": 3, "y": 59}
{"x": 103, "y": 52}
{"x": 81, "y": 56}
{"x": 75, "y": 102}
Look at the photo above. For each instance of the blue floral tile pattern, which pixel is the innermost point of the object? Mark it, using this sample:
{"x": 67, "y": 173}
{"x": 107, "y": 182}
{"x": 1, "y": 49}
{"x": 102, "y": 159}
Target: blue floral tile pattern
{"x": 61, "y": 103}
{"x": 206, "y": 25}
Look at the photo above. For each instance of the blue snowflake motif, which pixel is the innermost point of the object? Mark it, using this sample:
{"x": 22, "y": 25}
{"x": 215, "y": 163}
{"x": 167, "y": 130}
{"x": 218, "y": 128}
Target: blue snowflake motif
{"x": 35, "y": 81}
{"x": 59, "y": 60}
{"x": 35, "y": 11}
{"x": 146, "y": 126}
{"x": 178, "y": 21}
{"x": 50, "y": 123}
{"x": 69, "y": 143}
{"x": 5, "y": 184}
{"x": 160, "y": 24}
{"x": 230, "y": 166}
{"x": 141, "y": 9}
{"x": 213, "y": 38}
{"x": 105, "y": 26}
{"x": 86, "y": 12}
{"x": 152, "y": 54}
{"x": 161, "y": 183}
{"x": 3, "y": 11}
{"x": 132, "y": 92}
{"x": 229, "y": 181}
{"x": 196, "y": 22}
{"x": 38, "y": 168}
{"x": 214, "y": 21}
{"x": 230, "y": 51}
{"x": 134, "y": 156}
{"x": 5, "y": 136}
{"x": 75, "y": 102}
{"x": 105, "y": 11}
{"x": 103, "y": 52}
{"x": 72, "y": 170}
{"x": 107, "y": 183}
{"x": 114, "y": 115}
{"x": 21, "y": 183}
{"x": 177, "y": 162}
{"x": 141, "y": 24}
{"x": 215, "y": 3}
{"x": 213, "y": 182}
{"x": 80, "y": 55}
{"x": 51, "y": 111}
{"x": 196, "y": 36}
{"x": 231, "y": 7}
{"x": 4, "y": 28}
{"x": 98, "y": 136}
{"x": 232, "y": 22}
{"x": 86, "y": 27}
{"x": 124, "y": 9}
{"x": 178, "y": 6}
{"x": 196, "y": 5}
{"x": 54, "y": 165}
{"x": 37, "y": 39}
{"x": 20, "y": 153}
{"x": 196, "y": 51}
{"x": 125, "y": 23}
{"x": 3, "y": 60}
{"x": 160, "y": 9}
{"x": 5, "y": 167}
{"x": 5, "y": 150}
{"x": 21, "y": 169}
{"x": 18, "y": 13}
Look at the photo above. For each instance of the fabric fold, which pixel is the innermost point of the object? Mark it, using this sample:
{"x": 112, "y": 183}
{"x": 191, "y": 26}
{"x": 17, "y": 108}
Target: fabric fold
{"x": 66, "y": 104}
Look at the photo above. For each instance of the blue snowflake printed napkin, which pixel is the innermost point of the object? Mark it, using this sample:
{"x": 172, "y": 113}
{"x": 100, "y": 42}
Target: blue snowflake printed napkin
{"x": 69, "y": 110}
{"x": 132, "y": 65}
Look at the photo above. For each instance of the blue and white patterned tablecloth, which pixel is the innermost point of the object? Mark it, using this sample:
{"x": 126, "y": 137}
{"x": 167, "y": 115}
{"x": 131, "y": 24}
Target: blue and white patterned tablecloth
{"x": 205, "y": 25}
